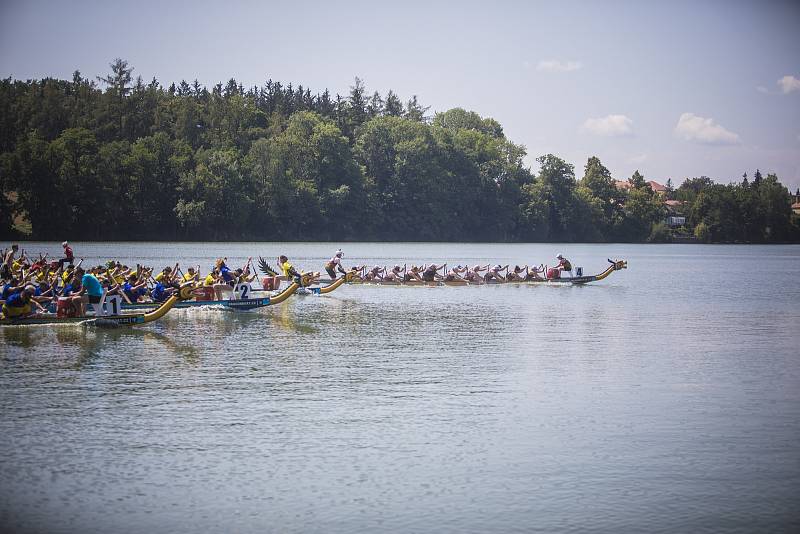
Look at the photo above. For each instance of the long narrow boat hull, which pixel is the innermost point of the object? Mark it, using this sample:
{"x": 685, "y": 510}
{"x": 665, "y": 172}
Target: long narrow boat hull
{"x": 106, "y": 320}
{"x": 234, "y": 304}
{"x": 241, "y": 304}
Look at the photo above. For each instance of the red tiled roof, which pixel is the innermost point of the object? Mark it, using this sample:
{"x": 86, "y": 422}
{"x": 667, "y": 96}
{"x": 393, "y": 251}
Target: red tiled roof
{"x": 796, "y": 206}
{"x": 622, "y": 184}
{"x": 655, "y": 186}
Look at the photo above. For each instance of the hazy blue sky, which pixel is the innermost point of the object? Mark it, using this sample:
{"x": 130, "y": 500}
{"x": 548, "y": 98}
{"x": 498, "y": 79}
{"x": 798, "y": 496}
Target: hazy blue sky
{"x": 674, "y": 89}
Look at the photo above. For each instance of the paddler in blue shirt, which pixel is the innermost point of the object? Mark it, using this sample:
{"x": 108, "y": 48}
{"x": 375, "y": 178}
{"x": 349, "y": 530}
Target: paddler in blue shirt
{"x": 91, "y": 289}
{"x": 160, "y": 292}
{"x": 133, "y": 290}
{"x": 21, "y": 304}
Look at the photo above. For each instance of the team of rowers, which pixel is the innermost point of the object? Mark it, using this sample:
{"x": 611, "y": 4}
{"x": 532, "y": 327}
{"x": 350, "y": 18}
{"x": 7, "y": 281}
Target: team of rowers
{"x": 30, "y": 285}
{"x": 477, "y": 274}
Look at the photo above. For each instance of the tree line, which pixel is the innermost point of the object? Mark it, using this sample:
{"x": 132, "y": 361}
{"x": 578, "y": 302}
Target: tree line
{"x": 119, "y": 158}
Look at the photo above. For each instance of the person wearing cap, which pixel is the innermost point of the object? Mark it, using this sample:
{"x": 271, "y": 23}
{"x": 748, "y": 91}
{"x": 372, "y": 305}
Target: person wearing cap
{"x": 454, "y": 275}
{"x": 563, "y": 264}
{"x": 69, "y": 256}
{"x": 374, "y": 274}
{"x": 334, "y": 264}
{"x": 494, "y": 273}
{"x": 473, "y": 275}
{"x": 393, "y": 275}
{"x": 534, "y": 273}
{"x": 21, "y": 304}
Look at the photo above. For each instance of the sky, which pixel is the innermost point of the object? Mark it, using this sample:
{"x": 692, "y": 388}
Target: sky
{"x": 674, "y": 89}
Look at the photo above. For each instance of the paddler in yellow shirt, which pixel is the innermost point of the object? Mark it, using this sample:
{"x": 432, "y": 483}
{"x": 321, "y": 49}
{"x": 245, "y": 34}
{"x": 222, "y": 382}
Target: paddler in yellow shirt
{"x": 192, "y": 274}
{"x": 288, "y": 269}
{"x": 211, "y": 279}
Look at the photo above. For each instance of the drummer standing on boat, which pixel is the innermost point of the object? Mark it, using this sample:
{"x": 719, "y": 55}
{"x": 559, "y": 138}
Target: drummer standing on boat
{"x": 69, "y": 256}
{"x": 334, "y": 264}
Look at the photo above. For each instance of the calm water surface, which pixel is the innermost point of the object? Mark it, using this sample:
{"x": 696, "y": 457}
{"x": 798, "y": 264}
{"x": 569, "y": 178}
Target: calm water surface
{"x": 664, "y": 399}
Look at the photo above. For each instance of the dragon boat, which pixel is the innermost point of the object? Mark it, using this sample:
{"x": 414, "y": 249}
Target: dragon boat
{"x": 616, "y": 265}
{"x": 243, "y": 299}
{"x": 247, "y": 298}
{"x": 109, "y": 320}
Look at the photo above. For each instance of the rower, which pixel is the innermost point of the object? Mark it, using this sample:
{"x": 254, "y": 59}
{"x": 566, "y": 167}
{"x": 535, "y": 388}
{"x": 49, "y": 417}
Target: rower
{"x": 288, "y": 269}
{"x": 211, "y": 277}
{"x": 473, "y": 275}
{"x": 374, "y": 274}
{"x": 515, "y": 275}
{"x": 226, "y": 279}
{"x": 160, "y": 292}
{"x": 494, "y": 273}
{"x": 21, "y": 304}
{"x": 356, "y": 272}
{"x": 431, "y": 273}
{"x": 192, "y": 274}
{"x": 133, "y": 289}
{"x": 455, "y": 274}
{"x": 334, "y": 264}
{"x": 43, "y": 293}
{"x": 535, "y": 273}
{"x": 7, "y": 267}
{"x": 413, "y": 275}
{"x": 167, "y": 275}
{"x": 394, "y": 275}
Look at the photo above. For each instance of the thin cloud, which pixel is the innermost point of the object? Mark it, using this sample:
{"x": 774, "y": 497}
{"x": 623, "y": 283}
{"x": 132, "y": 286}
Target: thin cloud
{"x": 789, "y": 84}
{"x": 696, "y": 129}
{"x": 641, "y": 158}
{"x": 762, "y": 89}
{"x": 554, "y": 65}
{"x": 609, "y": 126}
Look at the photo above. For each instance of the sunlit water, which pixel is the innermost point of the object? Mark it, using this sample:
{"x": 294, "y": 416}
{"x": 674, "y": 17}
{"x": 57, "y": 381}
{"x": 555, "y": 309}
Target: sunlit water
{"x": 665, "y": 398}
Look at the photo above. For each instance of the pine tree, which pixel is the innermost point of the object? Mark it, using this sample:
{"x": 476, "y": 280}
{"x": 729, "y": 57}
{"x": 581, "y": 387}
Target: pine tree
{"x": 393, "y": 107}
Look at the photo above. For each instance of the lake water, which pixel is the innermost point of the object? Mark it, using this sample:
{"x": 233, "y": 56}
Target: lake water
{"x": 665, "y": 398}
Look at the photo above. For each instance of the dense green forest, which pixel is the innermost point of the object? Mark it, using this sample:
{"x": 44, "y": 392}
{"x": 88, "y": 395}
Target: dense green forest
{"x": 120, "y": 158}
